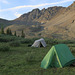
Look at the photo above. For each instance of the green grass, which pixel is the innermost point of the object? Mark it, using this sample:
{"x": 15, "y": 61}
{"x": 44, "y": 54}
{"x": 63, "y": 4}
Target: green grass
{"x": 24, "y": 60}
{"x": 14, "y": 62}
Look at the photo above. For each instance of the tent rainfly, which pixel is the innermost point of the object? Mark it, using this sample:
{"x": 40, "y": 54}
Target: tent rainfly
{"x": 58, "y": 56}
{"x": 39, "y": 43}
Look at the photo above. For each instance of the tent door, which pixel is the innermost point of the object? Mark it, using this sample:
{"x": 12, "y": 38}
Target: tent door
{"x": 40, "y": 45}
{"x": 54, "y": 62}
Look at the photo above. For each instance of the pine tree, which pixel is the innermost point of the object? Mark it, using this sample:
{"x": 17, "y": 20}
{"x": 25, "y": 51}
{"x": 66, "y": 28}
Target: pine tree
{"x": 8, "y": 31}
{"x": 2, "y": 30}
{"x": 23, "y": 35}
{"x": 15, "y": 33}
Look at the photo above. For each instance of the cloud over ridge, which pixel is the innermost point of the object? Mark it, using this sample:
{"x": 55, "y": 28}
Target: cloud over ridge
{"x": 33, "y": 6}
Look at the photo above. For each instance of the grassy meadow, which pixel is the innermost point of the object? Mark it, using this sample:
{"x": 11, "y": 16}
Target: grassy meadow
{"x": 17, "y": 58}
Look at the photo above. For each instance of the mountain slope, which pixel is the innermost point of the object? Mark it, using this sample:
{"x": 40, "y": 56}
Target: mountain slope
{"x": 53, "y": 22}
{"x": 36, "y": 16}
{"x": 5, "y": 23}
{"x": 32, "y": 22}
{"x": 62, "y": 25}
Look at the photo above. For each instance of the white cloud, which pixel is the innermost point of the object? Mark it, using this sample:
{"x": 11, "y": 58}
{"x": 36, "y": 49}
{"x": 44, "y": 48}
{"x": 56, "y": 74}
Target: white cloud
{"x": 17, "y": 14}
{"x": 4, "y": 1}
{"x": 35, "y": 6}
{"x": 1, "y": 16}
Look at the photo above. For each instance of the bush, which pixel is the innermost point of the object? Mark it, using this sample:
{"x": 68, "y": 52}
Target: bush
{"x": 14, "y": 44}
{"x": 23, "y": 41}
{"x": 4, "y": 47}
{"x": 8, "y": 38}
{"x": 51, "y": 41}
{"x": 30, "y": 57}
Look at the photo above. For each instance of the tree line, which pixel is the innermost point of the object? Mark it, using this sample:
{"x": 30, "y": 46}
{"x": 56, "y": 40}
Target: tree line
{"x": 9, "y": 32}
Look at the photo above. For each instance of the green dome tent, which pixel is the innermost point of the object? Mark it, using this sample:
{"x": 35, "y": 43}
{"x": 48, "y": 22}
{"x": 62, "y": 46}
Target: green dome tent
{"x": 58, "y": 56}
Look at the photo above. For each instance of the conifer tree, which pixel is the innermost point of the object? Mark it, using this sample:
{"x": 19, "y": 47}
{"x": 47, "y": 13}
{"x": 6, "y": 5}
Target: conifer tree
{"x": 2, "y": 30}
{"x": 22, "y": 34}
{"x": 15, "y": 33}
{"x": 8, "y": 31}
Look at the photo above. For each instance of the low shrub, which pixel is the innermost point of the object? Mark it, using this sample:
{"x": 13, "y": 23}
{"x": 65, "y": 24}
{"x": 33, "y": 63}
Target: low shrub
{"x": 14, "y": 43}
{"x": 30, "y": 57}
{"x": 8, "y": 38}
{"x": 23, "y": 41}
{"x": 4, "y": 47}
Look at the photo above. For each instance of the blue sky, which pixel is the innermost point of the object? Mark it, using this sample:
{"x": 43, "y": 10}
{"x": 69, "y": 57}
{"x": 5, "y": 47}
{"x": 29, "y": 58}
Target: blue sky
{"x": 12, "y": 9}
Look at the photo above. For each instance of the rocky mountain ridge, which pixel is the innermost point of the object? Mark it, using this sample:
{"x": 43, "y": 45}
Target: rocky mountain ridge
{"x": 53, "y": 22}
